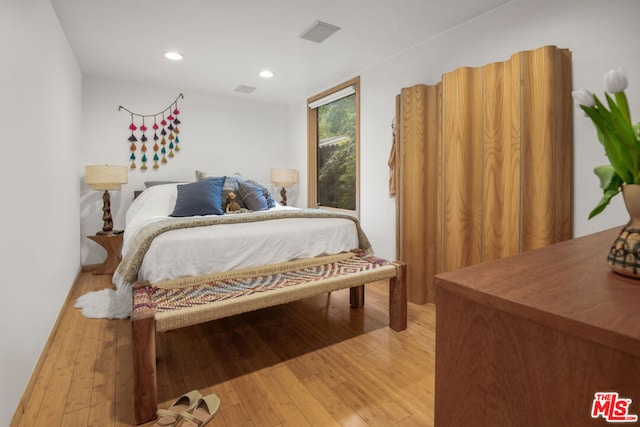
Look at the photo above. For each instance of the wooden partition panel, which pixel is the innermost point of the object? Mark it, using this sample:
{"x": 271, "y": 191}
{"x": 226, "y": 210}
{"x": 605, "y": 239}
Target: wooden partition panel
{"x": 547, "y": 145}
{"x": 440, "y": 193}
{"x": 501, "y": 172}
{"x": 431, "y": 178}
{"x": 486, "y": 165}
{"x": 416, "y": 189}
{"x": 462, "y": 168}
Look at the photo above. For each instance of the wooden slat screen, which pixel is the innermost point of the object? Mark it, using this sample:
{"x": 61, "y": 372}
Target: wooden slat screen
{"x": 485, "y": 166}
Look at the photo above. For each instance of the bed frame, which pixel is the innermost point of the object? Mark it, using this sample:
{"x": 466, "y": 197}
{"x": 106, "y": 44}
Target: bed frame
{"x": 154, "y": 312}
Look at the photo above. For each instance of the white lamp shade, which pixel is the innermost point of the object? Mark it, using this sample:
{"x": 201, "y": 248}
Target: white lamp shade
{"x": 284, "y": 177}
{"x": 105, "y": 177}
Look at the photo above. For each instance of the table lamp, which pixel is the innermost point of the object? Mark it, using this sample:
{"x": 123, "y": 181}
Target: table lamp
{"x": 105, "y": 177}
{"x": 284, "y": 178}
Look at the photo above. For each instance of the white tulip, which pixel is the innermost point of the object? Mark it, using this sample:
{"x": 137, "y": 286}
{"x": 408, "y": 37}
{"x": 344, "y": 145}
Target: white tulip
{"x": 583, "y": 97}
{"x": 616, "y": 80}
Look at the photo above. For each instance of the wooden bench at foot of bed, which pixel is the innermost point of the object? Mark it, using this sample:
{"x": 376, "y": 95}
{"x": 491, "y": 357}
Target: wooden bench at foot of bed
{"x": 172, "y": 305}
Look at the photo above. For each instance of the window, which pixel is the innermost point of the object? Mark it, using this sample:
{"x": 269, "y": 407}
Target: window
{"x": 334, "y": 148}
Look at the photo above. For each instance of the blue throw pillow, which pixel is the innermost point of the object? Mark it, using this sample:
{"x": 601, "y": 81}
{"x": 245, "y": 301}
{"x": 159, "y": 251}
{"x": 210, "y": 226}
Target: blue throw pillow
{"x": 255, "y": 196}
{"x": 200, "y": 198}
{"x": 271, "y": 203}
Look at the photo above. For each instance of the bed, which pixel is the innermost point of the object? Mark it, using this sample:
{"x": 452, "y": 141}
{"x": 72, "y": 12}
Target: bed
{"x": 192, "y": 246}
{"x": 186, "y": 262}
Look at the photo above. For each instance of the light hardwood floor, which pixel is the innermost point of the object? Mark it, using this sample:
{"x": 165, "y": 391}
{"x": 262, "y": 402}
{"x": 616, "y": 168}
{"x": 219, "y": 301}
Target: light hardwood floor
{"x": 312, "y": 362}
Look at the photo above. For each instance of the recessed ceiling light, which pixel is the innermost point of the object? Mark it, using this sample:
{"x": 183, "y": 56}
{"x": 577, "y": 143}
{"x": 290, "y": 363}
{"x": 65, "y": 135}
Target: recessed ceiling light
{"x": 266, "y": 74}
{"x": 174, "y": 56}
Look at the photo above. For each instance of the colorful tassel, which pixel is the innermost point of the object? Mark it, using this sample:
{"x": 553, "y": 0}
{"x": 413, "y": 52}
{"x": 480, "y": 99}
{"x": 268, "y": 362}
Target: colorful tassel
{"x": 167, "y": 123}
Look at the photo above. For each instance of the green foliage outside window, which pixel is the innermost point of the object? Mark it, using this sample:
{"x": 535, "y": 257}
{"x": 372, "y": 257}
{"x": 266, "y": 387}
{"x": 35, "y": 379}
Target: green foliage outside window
{"x": 337, "y": 154}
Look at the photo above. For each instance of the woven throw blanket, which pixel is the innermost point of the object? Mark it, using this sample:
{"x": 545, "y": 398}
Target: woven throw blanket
{"x": 225, "y": 295}
{"x": 127, "y": 271}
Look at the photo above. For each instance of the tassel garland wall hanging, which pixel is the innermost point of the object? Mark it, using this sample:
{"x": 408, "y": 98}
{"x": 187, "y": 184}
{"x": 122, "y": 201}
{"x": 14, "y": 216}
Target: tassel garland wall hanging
{"x": 165, "y": 145}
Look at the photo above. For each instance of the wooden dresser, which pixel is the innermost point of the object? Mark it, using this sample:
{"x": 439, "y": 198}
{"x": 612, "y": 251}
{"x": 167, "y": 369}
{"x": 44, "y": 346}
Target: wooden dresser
{"x": 528, "y": 340}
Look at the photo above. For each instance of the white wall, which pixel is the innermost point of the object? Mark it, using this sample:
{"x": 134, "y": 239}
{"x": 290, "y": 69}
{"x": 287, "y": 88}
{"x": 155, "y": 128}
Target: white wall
{"x": 219, "y": 134}
{"x": 40, "y": 250}
{"x": 601, "y": 35}
{"x": 44, "y": 145}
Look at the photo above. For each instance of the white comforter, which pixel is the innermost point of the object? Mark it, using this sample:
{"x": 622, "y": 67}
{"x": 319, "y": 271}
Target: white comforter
{"x": 223, "y": 247}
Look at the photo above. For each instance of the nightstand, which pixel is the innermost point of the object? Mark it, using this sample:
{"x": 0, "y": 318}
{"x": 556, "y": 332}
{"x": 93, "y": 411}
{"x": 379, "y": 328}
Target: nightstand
{"x": 111, "y": 243}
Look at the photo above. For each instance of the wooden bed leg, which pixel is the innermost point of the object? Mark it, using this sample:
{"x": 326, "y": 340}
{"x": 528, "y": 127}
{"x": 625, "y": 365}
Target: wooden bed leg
{"x": 143, "y": 345}
{"x": 356, "y": 296}
{"x": 398, "y": 298}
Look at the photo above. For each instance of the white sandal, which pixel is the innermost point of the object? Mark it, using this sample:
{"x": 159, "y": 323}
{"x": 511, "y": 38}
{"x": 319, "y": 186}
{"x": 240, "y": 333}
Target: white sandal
{"x": 206, "y": 408}
{"x": 185, "y": 404}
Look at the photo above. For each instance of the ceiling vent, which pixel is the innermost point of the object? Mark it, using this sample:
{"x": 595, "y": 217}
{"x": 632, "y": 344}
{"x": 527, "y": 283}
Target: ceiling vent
{"x": 245, "y": 89}
{"x": 318, "y": 32}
